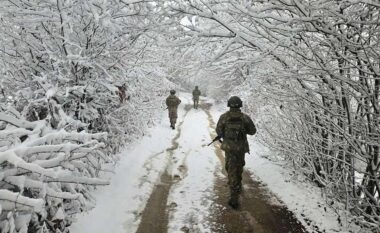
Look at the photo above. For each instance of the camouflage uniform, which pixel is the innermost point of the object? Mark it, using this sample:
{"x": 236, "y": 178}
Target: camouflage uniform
{"x": 196, "y": 94}
{"x": 172, "y": 103}
{"x": 235, "y": 148}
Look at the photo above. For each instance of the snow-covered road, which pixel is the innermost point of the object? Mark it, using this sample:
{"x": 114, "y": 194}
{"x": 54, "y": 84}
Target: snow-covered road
{"x": 188, "y": 175}
{"x": 171, "y": 181}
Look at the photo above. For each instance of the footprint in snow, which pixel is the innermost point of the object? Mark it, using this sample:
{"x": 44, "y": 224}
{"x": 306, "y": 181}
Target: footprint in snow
{"x": 176, "y": 177}
{"x": 185, "y": 229}
{"x": 173, "y": 205}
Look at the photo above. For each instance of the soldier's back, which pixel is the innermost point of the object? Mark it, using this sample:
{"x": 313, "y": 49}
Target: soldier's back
{"x": 172, "y": 101}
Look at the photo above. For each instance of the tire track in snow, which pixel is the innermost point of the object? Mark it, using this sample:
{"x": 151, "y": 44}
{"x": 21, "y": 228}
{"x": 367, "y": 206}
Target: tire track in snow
{"x": 155, "y": 217}
{"x": 192, "y": 196}
{"x": 258, "y": 213}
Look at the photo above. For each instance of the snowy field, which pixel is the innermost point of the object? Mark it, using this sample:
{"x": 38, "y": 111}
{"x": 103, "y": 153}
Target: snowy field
{"x": 184, "y": 155}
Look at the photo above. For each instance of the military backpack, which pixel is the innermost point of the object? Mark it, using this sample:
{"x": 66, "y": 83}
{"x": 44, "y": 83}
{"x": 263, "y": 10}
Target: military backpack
{"x": 172, "y": 101}
{"x": 234, "y": 128}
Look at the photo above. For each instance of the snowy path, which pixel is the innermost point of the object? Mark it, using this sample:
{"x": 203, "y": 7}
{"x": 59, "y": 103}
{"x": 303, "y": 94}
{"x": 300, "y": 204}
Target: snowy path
{"x": 188, "y": 175}
{"x": 171, "y": 181}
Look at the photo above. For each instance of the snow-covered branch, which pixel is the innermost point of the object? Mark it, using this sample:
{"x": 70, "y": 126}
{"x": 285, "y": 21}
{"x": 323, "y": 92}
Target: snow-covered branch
{"x": 43, "y": 168}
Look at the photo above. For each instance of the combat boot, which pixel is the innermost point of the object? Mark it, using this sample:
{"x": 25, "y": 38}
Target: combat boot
{"x": 234, "y": 201}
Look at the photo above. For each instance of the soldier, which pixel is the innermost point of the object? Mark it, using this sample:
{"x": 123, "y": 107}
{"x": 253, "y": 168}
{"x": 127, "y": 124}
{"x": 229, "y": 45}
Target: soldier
{"x": 233, "y": 126}
{"x": 196, "y": 94}
{"x": 172, "y": 103}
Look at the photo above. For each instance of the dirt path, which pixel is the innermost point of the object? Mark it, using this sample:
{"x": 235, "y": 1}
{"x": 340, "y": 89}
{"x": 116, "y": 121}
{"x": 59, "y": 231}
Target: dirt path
{"x": 260, "y": 211}
{"x": 155, "y": 216}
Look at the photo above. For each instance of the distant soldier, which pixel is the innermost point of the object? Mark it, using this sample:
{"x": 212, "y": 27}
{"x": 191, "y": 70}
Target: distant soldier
{"x": 233, "y": 126}
{"x": 172, "y": 103}
{"x": 196, "y": 94}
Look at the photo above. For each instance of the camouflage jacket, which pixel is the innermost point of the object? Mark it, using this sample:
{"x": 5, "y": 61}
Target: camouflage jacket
{"x": 241, "y": 144}
{"x": 172, "y": 101}
{"x": 196, "y": 93}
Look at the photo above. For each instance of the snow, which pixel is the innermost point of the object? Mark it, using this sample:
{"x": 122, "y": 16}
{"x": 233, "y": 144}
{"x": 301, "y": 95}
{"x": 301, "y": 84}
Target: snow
{"x": 42, "y": 167}
{"x": 50, "y": 93}
{"x": 60, "y": 214}
{"x": 11, "y": 157}
{"x": 8, "y": 201}
{"x": 22, "y": 223}
{"x": 193, "y": 164}
{"x": 17, "y": 122}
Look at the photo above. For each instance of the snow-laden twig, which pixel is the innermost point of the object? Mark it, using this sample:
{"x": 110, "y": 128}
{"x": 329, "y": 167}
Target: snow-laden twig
{"x": 43, "y": 166}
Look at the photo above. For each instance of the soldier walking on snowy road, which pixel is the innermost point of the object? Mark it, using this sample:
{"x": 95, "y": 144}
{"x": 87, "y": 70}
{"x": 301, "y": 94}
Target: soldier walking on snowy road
{"x": 233, "y": 126}
{"x": 172, "y": 103}
{"x": 196, "y": 94}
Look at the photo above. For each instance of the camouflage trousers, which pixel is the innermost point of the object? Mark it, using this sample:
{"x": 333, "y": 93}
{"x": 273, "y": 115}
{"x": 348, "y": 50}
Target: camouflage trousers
{"x": 196, "y": 102}
{"x": 173, "y": 116}
{"x": 234, "y": 167}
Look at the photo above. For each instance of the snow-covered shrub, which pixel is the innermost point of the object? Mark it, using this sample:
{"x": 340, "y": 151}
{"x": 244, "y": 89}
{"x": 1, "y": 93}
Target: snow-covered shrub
{"x": 79, "y": 54}
{"x": 45, "y": 173}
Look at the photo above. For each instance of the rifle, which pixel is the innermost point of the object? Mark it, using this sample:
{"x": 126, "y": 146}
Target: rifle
{"x": 217, "y": 138}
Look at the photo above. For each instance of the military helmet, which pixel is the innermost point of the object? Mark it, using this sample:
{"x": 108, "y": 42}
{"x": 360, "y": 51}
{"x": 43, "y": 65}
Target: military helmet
{"x": 196, "y": 87}
{"x": 172, "y": 92}
{"x": 235, "y": 102}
